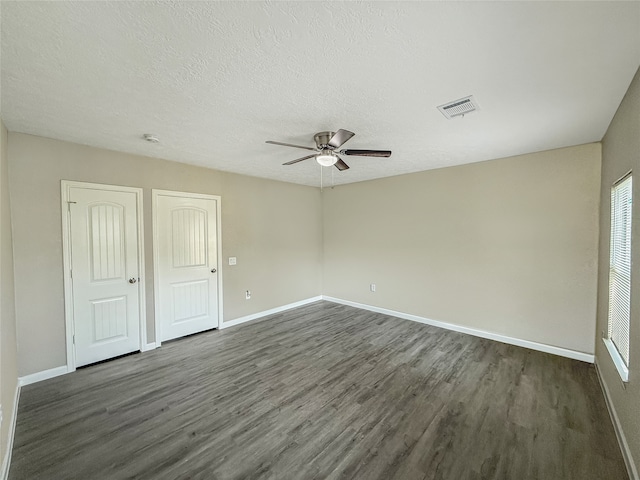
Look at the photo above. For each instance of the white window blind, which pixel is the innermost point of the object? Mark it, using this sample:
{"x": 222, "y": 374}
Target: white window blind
{"x": 620, "y": 268}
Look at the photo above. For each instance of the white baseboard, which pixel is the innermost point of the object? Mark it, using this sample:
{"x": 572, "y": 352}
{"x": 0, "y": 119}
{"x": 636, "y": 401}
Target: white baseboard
{"x": 563, "y": 352}
{"x": 149, "y": 346}
{"x": 617, "y": 426}
{"x": 6, "y": 461}
{"x": 40, "y": 376}
{"x": 264, "y": 313}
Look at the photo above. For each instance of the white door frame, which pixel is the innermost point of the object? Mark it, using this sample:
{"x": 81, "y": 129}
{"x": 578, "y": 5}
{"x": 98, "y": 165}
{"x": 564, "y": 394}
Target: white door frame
{"x": 66, "y": 186}
{"x": 155, "y": 193}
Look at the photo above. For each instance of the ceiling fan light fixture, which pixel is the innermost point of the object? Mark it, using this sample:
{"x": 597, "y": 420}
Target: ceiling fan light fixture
{"x": 325, "y": 149}
{"x": 326, "y": 159}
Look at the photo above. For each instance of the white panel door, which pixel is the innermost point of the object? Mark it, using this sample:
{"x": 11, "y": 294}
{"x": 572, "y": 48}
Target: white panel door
{"x": 187, "y": 277}
{"x": 104, "y": 269}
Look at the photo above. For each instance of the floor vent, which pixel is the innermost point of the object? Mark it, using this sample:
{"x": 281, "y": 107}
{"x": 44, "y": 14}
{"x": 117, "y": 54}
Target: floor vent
{"x": 459, "y": 108}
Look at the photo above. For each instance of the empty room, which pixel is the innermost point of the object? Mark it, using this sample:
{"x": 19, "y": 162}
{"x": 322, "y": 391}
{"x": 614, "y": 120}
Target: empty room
{"x": 445, "y": 289}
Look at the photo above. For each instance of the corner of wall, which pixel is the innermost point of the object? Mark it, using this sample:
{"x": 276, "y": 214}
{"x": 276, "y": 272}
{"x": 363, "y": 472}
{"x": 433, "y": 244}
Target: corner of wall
{"x": 9, "y": 388}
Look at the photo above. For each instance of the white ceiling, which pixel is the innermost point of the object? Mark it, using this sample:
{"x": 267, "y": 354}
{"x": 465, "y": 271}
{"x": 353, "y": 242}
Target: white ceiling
{"x": 214, "y": 80}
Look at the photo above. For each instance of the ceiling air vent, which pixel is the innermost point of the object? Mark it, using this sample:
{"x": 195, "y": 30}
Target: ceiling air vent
{"x": 459, "y": 108}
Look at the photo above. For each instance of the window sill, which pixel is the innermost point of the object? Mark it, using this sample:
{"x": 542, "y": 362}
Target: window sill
{"x": 623, "y": 370}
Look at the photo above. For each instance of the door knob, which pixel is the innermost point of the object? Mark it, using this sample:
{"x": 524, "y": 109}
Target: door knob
{"x": 213, "y": 270}
{"x": 132, "y": 280}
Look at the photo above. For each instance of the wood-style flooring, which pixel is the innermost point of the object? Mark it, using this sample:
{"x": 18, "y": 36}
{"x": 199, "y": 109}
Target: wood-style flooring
{"x": 324, "y": 391}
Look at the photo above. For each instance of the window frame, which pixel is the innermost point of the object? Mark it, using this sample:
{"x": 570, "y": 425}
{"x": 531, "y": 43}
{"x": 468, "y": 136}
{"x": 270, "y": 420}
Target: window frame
{"x": 618, "y": 360}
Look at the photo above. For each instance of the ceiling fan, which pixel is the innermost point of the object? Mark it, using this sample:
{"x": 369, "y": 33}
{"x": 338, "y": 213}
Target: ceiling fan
{"x": 327, "y": 144}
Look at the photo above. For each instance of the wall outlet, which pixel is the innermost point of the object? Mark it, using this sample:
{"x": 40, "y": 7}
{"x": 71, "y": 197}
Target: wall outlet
{"x": 247, "y": 295}
{"x": 372, "y": 287}
{"x": 232, "y": 260}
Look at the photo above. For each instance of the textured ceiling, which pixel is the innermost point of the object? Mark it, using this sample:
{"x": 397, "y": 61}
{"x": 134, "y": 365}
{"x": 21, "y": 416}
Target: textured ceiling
{"x": 214, "y": 80}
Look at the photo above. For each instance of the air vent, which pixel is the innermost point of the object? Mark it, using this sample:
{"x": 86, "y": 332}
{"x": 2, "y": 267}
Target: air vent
{"x": 459, "y": 108}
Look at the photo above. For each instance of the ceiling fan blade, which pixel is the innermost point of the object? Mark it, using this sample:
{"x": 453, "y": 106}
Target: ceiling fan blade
{"x": 340, "y": 165}
{"x": 290, "y": 145}
{"x": 367, "y": 153}
{"x": 299, "y": 160}
{"x": 340, "y": 137}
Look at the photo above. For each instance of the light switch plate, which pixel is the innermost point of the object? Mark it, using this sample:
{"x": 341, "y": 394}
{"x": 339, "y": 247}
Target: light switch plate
{"x": 232, "y": 260}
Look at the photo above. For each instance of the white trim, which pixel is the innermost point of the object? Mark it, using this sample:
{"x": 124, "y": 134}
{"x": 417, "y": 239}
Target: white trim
{"x": 142, "y": 296}
{"x": 6, "y": 461}
{"x": 155, "y": 193}
{"x": 563, "y": 352}
{"x": 617, "y": 426}
{"x": 175, "y": 193}
{"x": 66, "y": 277}
{"x": 44, "y": 375}
{"x": 254, "y": 316}
{"x": 149, "y": 346}
{"x": 156, "y": 295}
{"x": 66, "y": 186}
{"x": 622, "y": 369}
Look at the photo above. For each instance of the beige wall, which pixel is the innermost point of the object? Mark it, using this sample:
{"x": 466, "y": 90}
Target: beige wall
{"x": 8, "y": 346}
{"x": 273, "y": 228}
{"x": 620, "y": 154}
{"x": 507, "y": 246}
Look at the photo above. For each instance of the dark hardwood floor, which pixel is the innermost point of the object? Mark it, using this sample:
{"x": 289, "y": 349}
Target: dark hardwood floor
{"x": 324, "y": 391}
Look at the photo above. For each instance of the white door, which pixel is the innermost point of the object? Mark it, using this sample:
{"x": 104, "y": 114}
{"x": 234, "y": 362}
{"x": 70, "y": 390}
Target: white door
{"x": 104, "y": 273}
{"x": 187, "y": 263}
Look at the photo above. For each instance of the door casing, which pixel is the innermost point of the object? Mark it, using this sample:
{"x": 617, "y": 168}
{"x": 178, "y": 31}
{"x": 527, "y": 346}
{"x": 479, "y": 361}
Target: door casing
{"x": 66, "y": 186}
{"x": 155, "y": 193}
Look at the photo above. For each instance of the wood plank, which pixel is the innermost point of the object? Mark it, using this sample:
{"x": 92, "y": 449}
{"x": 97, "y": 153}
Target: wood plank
{"x": 322, "y": 391}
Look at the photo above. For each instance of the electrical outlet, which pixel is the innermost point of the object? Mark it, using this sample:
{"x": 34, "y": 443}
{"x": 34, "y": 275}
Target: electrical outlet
{"x": 247, "y": 295}
{"x": 233, "y": 261}
{"x": 372, "y": 287}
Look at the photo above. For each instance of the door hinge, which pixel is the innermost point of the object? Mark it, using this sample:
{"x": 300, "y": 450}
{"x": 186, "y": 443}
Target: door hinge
{"x": 74, "y": 339}
{"x": 71, "y": 273}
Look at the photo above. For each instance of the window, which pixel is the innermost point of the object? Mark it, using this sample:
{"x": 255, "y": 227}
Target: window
{"x": 617, "y": 340}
